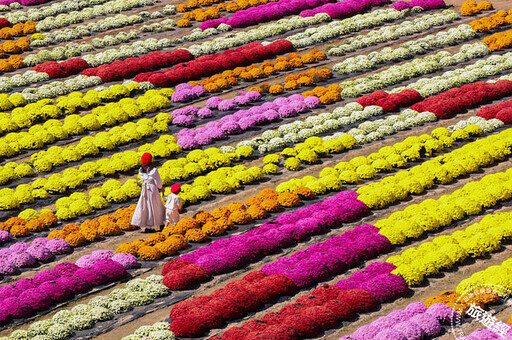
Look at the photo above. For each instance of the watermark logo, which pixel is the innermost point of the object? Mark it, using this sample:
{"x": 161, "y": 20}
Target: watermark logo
{"x": 470, "y": 304}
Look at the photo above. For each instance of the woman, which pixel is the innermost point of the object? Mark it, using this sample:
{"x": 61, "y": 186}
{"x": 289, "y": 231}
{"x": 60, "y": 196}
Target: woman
{"x": 150, "y": 211}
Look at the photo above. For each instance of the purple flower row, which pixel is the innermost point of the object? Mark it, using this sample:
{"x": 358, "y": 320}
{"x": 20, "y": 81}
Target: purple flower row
{"x": 331, "y": 257}
{"x": 186, "y": 92}
{"x": 485, "y": 334}
{"x": 344, "y": 9}
{"x": 245, "y": 119}
{"x": 31, "y": 295}
{"x": 23, "y": 254}
{"x": 415, "y": 322}
{"x": 377, "y": 280}
{"x": 425, "y": 4}
{"x": 229, "y": 254}
{"x": 188, "y": 115}
{"x": 264, "y": 13}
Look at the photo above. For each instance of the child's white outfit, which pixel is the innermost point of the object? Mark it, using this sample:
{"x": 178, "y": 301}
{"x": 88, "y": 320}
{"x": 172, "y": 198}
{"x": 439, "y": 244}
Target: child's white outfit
{"x": 172, "y": 209}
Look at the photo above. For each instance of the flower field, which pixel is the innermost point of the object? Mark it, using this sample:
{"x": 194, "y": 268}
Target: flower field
{"x": 344, "y": 168}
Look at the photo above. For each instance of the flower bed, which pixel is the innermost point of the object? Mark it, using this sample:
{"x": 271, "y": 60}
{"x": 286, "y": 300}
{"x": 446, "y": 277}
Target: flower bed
{"x": 263, "y": 13}
{"x": 218, "y": 257}
{"x": 486, "y": 24}
{"x": 29, "y": 296}
{"x": 214, "y": 63}
{"x": 128, "y": 68}
{"x": 416, "y": 321}
{"x": 472, "y": 7}
{"x": 443, "y": 252}
{"x": 345, "y": 9}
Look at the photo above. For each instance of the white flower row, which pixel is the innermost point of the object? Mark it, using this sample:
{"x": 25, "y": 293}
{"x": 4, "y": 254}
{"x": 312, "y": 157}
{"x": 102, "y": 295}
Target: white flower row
{"x": 371, "y": 131}
{"x": 36, "y": 14}
{"x": 415, "y": 68}
{"x": 300, "y": 130}
{"x": 244, "y": 37}
{"x": 406, "y": 50}
{"x": 157, "y": 331}
{"x": 138, "y": 292}
{"x": 393, "y": 32}
{"x": 487, "y": 126}
{"x": 74, "y": 17}
{"x": 493, "y": 65}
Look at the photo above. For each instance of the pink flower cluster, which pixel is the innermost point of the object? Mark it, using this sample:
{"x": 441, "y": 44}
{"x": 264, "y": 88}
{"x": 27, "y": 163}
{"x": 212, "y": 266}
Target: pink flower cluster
{"x": 344, "y": 9}
{"x": 425, "y": 4}
{"x": 415, "y": 322}
{"x": 264, "y": 13}
{"x": 226, "y": 255}
{"x": 131, "y": 67}
{"x": 210, "y": 64}
{"x": 331, "y": 257}
{"x": 186, "y": 92}
{"x": 22, "y": 254}
{"x": 24, "y": 2}
{"x": 485, "y": 334}
{"x": 244, "y": 119}
{"x": 378, "y": 281}
{"x": 31, "y": 295}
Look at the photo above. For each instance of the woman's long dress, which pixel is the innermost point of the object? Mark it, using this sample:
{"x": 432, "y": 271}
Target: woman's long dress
{"x": 150, "y": 210}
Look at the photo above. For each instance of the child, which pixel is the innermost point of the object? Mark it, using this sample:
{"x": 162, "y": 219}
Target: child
{"x": 173, "y": 206}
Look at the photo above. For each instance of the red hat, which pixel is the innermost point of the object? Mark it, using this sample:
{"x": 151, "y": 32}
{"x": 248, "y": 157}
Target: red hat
{"x": 175, "y": 188}
{"x": 146, "y": 159}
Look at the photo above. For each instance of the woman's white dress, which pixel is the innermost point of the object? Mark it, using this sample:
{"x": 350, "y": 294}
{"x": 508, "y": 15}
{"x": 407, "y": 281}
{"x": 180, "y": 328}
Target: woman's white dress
{"x": 150, "y": 210}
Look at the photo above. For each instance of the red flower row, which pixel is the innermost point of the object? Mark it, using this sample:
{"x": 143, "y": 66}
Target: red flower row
{"x": 307, "y": 317}
{"x": 5, "y": 23}
{"x": 501, "y": 111}
{"x": 181, "y": 274}
{"x": 391, "y": 102}
{"x": 194, "y": 317}
{"x": 63, "y": 69}
{"x": 459, "y": 99}
{"x": 208, "y": 65}
{"x": 129, "y": 68}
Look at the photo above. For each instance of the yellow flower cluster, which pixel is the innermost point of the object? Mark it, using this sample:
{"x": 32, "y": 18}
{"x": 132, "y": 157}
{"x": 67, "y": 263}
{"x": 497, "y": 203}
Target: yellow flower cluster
{"x": 443, "y": 252}
{"x": 497, "y": 276}
{"x": 198, "y": 161}
{"x": 224, "y": 180}
{"x": 24, "y": 115}
{"x": 109, "y": 115}
{"x": 442, "y": 170}
{"x": 309, "y": 151}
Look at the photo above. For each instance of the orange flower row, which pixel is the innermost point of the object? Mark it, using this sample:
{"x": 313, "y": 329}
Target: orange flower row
{"x": 454, "y": 300}
{"x": 328, "y": 95}
{"x": 19, "y": 227}
{"x": 91, "y": 230}
{"x": 498, "y": 41}
{"x": 230, "y": 78}
{"x": 204, "y": 224}
{"x": 11, "y": 46}
{"x": 195, "y": 4}
{"x": 471, "y": 7}
{"x": 18, "y": 30}
{"x": 494, "y": 21}
{"x": 202, "y": 15}
{"x": 295, "y": 81}
{"x": 13, "y": 63}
